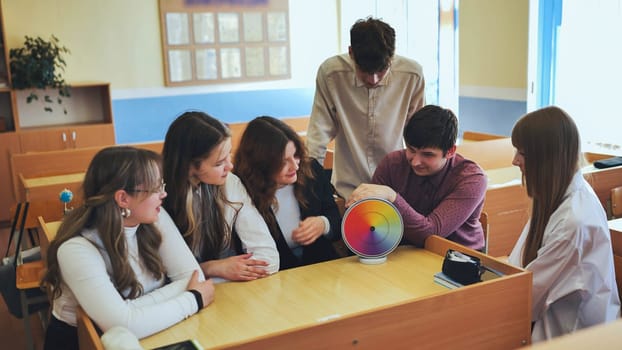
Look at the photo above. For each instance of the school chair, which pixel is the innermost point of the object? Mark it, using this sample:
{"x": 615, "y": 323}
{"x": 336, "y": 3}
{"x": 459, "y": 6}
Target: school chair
{"x": 616, "y": 245}
{"x": 88, "y": 338}
{"x": 616, "y": 202}
{"x": 15, "y": 212}
{"x": 339, "y": 245}
{"x": 21, "y": 280}
{"x": 483, "y": 219}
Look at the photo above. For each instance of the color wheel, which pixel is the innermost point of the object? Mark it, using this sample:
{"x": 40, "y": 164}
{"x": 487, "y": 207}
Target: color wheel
{"x": 372, "y": 228}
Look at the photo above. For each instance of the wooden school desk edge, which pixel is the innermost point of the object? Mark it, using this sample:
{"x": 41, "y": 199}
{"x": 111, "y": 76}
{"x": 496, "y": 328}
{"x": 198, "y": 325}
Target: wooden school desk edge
{"x": 494, "y": 314}
{"x": 601, "y": 337}
{"x": 615, "y": 229}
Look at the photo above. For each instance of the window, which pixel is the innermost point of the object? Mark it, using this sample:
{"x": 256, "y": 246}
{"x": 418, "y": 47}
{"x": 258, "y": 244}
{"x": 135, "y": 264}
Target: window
{"x": 584, "y": 63}
{"x": 425, "y": 31}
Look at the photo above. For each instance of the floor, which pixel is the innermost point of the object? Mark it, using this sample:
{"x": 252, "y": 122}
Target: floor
{"x": 11, "y": 327}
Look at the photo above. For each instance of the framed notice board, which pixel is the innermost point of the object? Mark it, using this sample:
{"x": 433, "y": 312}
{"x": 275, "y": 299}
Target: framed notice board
{"x": 224, "y": 41}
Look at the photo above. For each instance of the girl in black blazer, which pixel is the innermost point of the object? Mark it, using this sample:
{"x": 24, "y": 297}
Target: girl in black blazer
{"x": 290, "y": 191}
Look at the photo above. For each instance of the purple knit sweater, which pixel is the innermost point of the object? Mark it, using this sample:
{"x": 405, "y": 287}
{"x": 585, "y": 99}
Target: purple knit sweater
{"x": 447, "y": 203}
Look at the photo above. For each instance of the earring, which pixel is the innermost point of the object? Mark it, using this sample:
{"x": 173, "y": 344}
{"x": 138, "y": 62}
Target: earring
{"x": 126, "y": 212}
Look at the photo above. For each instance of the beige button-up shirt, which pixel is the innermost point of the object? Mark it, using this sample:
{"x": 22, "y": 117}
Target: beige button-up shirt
{"x": 366, "y": 123}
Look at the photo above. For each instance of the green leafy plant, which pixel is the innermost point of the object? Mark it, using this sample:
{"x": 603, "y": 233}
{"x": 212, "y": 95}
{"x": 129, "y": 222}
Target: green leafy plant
{"x": 39, "y": 64}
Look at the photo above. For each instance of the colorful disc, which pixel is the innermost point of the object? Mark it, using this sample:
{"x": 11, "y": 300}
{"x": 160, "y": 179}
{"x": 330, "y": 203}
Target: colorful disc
{"x": 372, "y": 227}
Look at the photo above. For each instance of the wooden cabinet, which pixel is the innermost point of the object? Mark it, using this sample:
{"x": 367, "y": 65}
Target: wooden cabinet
{"x": 9, "y": 143}
{"x": 82, "y": 120}
{"x": 59, "y": 138}
{"x": 7, "y": 101}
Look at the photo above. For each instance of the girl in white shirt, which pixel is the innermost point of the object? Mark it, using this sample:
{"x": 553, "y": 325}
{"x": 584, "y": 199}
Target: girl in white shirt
{"x": 566, "y": 243}
{"x": 210, "y": 205}
{"x": 114, "y": 254}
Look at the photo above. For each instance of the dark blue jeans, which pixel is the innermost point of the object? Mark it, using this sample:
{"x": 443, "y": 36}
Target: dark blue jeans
{"x": 60, "y": 336}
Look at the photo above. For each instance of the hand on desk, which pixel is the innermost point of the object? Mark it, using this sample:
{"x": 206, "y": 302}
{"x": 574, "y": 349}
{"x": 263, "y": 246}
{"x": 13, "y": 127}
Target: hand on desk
{"x": 236, "y": 268}
{"x": 206, "y": 288}
{"x": 371, "y": 190}
{"x": 308, "y": 230}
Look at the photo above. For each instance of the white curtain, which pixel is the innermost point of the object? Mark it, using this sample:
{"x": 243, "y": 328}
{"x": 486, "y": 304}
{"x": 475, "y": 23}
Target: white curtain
{"x": 589, "y": 71}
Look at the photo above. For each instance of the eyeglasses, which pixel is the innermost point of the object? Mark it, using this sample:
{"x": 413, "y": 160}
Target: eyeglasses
{"x": 160, "y": 189}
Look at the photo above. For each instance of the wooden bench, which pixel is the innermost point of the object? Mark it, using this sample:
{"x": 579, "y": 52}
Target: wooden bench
{"x": 480, "y": 136}
{"x": 299, "y": 124}
{"x": 490, "y": 154}
{"x": 53, "y": 165}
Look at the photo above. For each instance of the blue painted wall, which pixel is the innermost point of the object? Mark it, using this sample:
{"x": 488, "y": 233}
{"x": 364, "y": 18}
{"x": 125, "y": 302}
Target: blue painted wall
{"x": 147, "y": 119}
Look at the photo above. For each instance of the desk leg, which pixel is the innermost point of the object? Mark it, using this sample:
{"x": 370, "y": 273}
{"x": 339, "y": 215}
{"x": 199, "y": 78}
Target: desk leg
{"x": 26, "y": 318}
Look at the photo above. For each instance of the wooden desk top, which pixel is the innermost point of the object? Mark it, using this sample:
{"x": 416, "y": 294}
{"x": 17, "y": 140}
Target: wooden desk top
{"x": 615, "y": 225}
{"x": 502, "y": 177}
{"x": 305, "y": 296}
{"x": 606, "y": 336}
{"x": 50, "y": 229}
{"x": 51, "y": 180}
{"x": 489, "y": 154}
{"x": 344, "y": 303}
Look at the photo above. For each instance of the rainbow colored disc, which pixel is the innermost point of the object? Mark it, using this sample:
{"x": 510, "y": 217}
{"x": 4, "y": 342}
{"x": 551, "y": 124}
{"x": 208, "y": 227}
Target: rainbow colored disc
{"x": 372, "y": 228}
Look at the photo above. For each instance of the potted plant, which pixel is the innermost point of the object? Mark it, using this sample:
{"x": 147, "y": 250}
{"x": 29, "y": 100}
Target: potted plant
{"x": 39, "y": 64}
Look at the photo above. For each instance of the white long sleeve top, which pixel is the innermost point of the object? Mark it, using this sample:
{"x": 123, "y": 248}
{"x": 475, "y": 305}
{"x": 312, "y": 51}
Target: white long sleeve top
{"x": 249, "y": 224}
{"x": 86, "y": 270}
{"x": 574, "y": 282}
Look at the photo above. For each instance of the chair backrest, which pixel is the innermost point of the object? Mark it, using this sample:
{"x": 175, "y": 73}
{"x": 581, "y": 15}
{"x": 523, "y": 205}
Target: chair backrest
{"x": 49, "y": 232}
{"x": 20, "y": 233}
{"x": 616, "y": 245}
{"x": 616, "y": 201}
{"x": 88, "y": 339}
{"x": 483, "y": 219}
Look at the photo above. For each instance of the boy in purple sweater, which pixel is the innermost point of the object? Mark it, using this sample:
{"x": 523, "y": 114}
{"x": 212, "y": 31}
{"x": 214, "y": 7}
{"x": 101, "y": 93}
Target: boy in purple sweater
{"x": 436, "y": 190}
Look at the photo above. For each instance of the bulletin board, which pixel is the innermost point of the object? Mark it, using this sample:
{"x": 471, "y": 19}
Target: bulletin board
{"x": 224, "y": 41}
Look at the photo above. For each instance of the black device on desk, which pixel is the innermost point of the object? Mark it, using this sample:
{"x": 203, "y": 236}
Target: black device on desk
{"x": 466, "y": 269}
{"x": 462, "y": 268}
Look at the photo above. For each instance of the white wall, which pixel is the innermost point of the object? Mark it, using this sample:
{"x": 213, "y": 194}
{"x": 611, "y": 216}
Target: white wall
{"x": 119, "y": 41}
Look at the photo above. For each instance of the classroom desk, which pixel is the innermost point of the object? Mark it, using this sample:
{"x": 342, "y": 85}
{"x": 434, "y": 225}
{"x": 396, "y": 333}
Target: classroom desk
{"x": 601, "y": 337}
{"x": 345, "y": 304}
{"x": 489, "y": 154}
{"x": 615, "y": 228}
{"x": 507, "y": 203}
{"x": 45, "y": 187}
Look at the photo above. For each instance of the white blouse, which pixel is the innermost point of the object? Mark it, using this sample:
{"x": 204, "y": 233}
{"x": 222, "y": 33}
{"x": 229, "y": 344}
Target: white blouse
{"x": 574, "y": 282}
{"x": 86, "y": 270}
{"x": 249, "y": 224}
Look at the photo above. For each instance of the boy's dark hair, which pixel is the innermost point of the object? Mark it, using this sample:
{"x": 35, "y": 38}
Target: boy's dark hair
{"x": 373, "y": 44}
{"x": 432, "y": 126}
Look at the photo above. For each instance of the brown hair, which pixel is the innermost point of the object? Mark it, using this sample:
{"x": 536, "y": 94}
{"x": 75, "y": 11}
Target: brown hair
{"x": 112, "y": 169}
{"x": 373, "y": 44}
{"x": 259, "y": 158}
{"x": 549, "y": 141}
{"x": 198, "y": 213}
